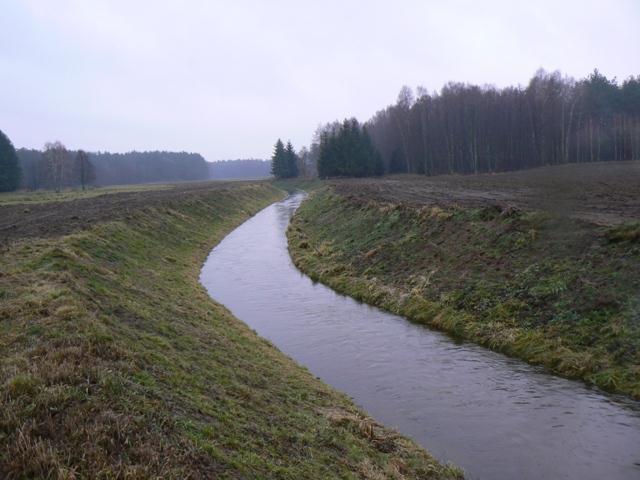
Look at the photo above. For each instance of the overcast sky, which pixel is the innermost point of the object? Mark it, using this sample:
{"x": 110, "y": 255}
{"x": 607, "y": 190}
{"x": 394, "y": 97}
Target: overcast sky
{"x": 227, "y": 78}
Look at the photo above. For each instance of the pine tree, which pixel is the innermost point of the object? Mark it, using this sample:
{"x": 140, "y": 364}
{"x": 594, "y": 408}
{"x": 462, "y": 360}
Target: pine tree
{"x": 347, "y": 150}
{"x": 278, "y": 161}
{"x": 291, "y": 161}
{"x": 10, "y": 171}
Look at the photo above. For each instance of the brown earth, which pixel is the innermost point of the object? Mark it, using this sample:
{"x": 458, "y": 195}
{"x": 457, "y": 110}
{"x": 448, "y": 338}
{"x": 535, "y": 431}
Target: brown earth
{"x": 56, "y": 218}
{"x": 601, "y": 193}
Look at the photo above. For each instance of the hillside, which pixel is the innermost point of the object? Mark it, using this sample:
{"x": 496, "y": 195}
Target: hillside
{"x": 542, "y": 264}
{"x": 114, "y": 362}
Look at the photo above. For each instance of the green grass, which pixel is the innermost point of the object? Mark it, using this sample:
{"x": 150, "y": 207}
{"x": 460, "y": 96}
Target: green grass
{"x": 115, "y": 363}
{"x": 552, "y": 291}
{"x": 68, "y": 194}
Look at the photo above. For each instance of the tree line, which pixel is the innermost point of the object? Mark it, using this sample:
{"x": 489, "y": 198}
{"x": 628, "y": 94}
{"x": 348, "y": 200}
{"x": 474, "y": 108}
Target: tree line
{"x": 338, "y": 149}
{"x": 55, "y": 167}
{"x": 467, "y": 128}
{"x": 284, "y": 161}
{"x": 347, "y": 150}
{"x": 149, "y": 167}
{"x": 471, "y": 129}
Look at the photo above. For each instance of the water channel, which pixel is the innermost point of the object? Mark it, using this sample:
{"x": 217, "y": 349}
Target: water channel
{"x": 496, "y": 417}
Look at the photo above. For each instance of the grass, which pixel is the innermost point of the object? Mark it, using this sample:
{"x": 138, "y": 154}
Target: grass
{"x": 114, "y": 363}
{"x": 553, "y": 291}
{"x": 68, "y": 194}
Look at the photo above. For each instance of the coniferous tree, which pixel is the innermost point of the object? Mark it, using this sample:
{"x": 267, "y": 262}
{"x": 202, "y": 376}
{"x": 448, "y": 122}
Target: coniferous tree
{"x": 279, "y": 161}
{"x": 284, "y": 161}
{"x": 10, "y": 173}
{"x": 346, "y": 149}
{"x": 291, "y": 161}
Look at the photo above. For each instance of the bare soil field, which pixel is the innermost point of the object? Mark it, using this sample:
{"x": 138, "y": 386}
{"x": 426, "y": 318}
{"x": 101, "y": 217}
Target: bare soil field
{"x": 601, "y": 193}
{"x": 73, "y": 212}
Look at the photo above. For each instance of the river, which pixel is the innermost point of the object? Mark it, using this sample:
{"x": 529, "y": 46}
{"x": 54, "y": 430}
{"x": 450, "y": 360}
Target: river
{"x": 496, "y": 417}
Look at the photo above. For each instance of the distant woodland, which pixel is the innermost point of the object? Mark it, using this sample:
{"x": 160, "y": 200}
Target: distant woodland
{"x": 239, "y": 169}
{"x": 56, "y": 168}
{"x": 472, "y": 129}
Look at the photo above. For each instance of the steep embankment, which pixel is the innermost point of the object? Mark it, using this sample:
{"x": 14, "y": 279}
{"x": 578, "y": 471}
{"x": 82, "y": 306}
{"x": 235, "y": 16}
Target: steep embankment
{"x": 114, "y": 363}
{"x": 551, "y": 289}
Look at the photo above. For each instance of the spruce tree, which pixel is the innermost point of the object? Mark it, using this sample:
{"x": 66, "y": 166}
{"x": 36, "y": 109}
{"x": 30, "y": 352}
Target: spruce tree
{"x": 278, "y": 161}
{"x": 10, "y": 171}
{"x": 291, "y": 161}
{"x": 348, "y": 150}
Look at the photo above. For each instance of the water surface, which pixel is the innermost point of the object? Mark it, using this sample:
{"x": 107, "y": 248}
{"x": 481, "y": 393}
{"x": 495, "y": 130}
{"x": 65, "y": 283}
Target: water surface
{"x": 496, "y": 417}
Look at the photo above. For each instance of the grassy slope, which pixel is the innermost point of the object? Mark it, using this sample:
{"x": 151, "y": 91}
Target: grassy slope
{"x": 556, "y": 292}
{"x": 114, "y": 363}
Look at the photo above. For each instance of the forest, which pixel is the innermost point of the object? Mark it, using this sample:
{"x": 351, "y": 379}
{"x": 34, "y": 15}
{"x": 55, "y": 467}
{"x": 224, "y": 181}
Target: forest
{"x": 466, "y": 128}
{"x": 56, "y": 168}
{"x": 285, "y": 162}
{"x": 471, "y": 129}
{"x": 347, "y": 150}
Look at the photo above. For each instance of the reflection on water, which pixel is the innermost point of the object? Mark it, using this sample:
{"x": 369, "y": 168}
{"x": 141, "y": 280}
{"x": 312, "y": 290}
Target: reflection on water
{"x": 496, "y": 417}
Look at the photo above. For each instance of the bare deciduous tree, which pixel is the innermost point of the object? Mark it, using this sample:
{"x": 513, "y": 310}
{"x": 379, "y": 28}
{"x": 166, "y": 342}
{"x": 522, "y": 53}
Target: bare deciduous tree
{"x": 56, "y": 157}
{"x": 83, "y": 169}
{"x": 471, "y": 129}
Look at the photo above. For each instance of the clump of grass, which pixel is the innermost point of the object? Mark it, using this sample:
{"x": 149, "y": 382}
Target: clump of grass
{"x": 629, "y": 232}
{"x": 21, "y": 385}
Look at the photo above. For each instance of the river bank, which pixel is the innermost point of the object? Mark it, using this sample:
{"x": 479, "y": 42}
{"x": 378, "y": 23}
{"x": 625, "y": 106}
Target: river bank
{"x": 116, "y": 363}
{"x": 554, "y": 290}
{"x": 497, "y": 417}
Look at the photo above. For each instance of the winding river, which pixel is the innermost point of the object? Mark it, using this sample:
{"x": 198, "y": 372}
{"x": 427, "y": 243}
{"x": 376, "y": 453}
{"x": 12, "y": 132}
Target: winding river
{"x": 496, "y": 417}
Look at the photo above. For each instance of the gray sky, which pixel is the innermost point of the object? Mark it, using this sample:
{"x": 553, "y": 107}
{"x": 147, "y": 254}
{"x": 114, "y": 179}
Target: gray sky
{"x": 227, "y": 78}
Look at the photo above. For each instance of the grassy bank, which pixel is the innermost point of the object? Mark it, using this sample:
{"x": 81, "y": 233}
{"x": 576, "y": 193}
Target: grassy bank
{"x": 114, "y": 363}
{"x": 554, "y": 291}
